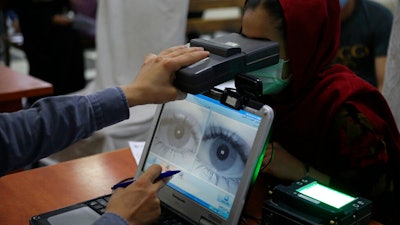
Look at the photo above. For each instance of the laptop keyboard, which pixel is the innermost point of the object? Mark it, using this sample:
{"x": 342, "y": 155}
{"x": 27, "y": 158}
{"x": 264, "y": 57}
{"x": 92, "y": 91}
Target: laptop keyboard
{"x": 99, "y": 204}
{"x": 167, "y": 217}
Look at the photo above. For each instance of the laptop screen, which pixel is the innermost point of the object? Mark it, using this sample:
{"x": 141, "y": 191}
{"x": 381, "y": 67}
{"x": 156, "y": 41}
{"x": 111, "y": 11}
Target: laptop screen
{"x": 210, "y": 143}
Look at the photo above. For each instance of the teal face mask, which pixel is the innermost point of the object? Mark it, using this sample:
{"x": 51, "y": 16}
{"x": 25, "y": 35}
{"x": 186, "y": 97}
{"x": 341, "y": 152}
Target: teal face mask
{"x": 271, "y": 78}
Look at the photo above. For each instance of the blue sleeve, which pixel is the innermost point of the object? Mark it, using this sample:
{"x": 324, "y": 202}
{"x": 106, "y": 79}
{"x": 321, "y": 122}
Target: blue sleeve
{"x": 53, "y": 123}
{"x": 110, "y": 219}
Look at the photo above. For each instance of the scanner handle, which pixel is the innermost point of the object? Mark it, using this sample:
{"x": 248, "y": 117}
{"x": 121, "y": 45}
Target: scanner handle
{"x": 224, "y": 50}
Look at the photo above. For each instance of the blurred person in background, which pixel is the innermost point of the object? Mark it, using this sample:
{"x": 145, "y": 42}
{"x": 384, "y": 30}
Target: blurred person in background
{"x": 85, "y": 12}
{"x": 365, "y": 32}
{"x": 52, "y": 46}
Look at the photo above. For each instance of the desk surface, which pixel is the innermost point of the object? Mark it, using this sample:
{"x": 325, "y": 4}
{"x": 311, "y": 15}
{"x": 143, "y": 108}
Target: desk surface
{"x": 32, "y": 192}
{"x": 15, "y": 85}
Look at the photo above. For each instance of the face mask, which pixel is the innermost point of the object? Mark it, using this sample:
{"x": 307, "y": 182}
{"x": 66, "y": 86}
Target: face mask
{"x": 343, "y": 3}
{"x": 271, "y": 77}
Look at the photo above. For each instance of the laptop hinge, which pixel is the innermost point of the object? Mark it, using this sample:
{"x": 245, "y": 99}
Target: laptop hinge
{"x": 204, "y": 221}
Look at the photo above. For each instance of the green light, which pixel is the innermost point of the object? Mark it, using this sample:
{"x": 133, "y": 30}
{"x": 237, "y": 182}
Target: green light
{"x": 258, "y": 167}
{"x": 326, "y": 195}
{"x": 260, "y": 160}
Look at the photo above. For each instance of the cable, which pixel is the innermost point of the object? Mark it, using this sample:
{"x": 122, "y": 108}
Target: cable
{"x": 270, "y": 159}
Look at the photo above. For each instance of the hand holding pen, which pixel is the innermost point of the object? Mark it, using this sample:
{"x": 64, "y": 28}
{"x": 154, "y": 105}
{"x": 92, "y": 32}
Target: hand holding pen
{"x": 163, "y": 175}
{"x": 139, "y": 201}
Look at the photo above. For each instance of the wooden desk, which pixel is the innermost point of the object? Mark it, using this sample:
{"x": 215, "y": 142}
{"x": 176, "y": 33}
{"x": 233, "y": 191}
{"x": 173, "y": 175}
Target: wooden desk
{"x": 207, "y": 26}
{"x": 14, "y": 86}
{"x": 31, "y": 192}
{"x": 44, "y": 189}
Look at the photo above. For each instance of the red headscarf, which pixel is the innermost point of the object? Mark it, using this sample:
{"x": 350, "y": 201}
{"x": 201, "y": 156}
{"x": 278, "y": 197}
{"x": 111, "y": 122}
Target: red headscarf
{"x": 306, "y": 108}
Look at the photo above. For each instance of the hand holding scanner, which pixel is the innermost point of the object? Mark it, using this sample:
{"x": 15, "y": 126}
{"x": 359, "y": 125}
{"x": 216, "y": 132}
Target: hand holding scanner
{"x": 230, "y": 55}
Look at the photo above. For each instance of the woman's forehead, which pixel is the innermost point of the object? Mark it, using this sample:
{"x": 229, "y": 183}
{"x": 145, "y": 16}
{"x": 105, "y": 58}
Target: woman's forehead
{"x": 257, "y": 23}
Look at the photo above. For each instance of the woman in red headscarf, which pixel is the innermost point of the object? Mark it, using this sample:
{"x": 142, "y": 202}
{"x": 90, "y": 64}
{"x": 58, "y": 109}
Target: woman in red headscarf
{"x": 329, "y": 124}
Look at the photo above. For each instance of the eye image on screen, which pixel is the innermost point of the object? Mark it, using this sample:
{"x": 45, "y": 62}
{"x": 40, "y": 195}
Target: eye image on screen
{"x": 179, "y": 132}
{"x": 222, "y": 155}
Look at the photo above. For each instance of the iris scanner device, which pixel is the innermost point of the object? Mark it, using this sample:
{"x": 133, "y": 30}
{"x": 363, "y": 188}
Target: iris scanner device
{"x": 230, "y": 55}
{"x": 308, "y": 202}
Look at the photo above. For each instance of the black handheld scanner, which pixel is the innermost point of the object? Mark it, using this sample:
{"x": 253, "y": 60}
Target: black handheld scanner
{"x": 230, "y": 55}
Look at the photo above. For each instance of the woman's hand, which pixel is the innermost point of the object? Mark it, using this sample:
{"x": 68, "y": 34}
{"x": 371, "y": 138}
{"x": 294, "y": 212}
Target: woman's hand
{"x": 285, "y": 166}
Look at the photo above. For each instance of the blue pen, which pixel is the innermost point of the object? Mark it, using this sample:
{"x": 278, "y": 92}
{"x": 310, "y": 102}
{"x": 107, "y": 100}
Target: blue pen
{"x": 161, "y": 176}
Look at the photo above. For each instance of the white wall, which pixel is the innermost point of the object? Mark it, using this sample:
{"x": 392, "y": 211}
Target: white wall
{"x": 391, "y": 4}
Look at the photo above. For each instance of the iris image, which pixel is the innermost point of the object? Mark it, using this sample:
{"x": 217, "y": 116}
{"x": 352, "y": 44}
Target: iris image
{"x": 223, "y": 153}
{"x": 212, "y": 147}
{"x": 179, "y": 133}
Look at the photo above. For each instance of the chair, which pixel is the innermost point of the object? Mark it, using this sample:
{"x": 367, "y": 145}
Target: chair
{"x": 204, "y": 25}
